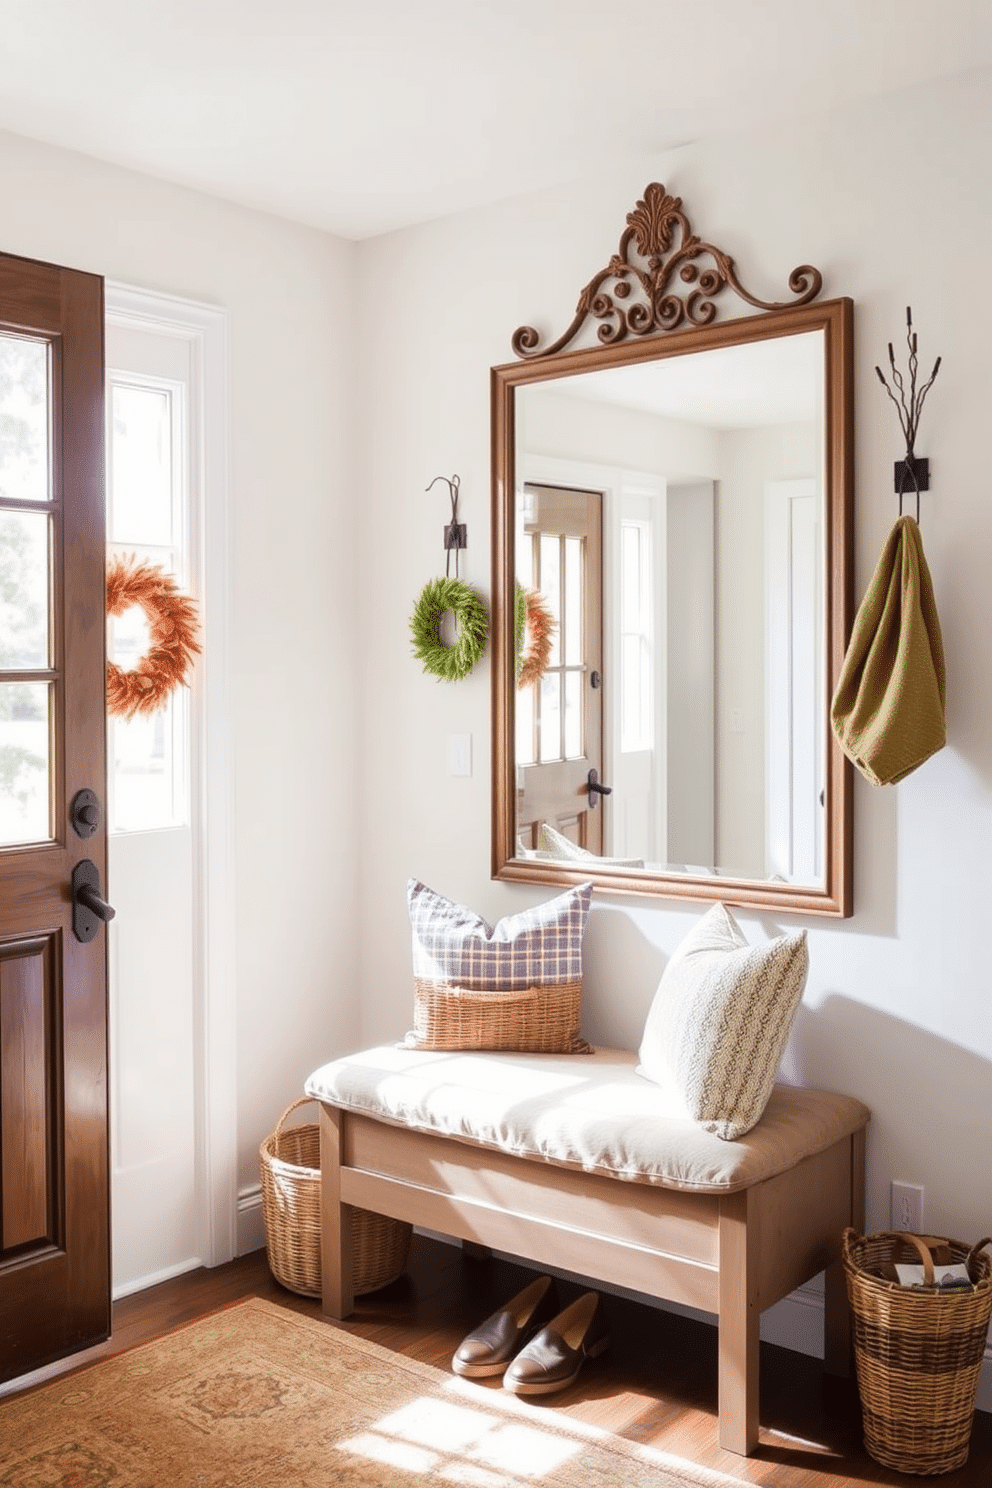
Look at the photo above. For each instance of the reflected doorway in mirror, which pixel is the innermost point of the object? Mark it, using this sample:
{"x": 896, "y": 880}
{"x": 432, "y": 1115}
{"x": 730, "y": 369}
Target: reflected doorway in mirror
{"x": 559, "y": 718}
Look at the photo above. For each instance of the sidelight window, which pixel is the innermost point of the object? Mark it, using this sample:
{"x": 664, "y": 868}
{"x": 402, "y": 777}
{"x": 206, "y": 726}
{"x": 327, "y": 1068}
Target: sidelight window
{"x": 636, "y": 638}
{"x": 149, "y": 762}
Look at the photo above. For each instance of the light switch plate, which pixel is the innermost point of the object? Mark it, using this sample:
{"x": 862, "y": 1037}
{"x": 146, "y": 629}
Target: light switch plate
{"x": 459, "y": 754}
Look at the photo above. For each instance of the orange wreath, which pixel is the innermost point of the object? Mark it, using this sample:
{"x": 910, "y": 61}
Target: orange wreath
{"x": 540, "y": 627}
{"x": 173, "y": 636}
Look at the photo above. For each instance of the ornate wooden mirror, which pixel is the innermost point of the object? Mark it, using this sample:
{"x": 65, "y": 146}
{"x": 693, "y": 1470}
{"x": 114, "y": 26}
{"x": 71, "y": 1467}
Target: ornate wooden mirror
{"x": 672, "y": 585}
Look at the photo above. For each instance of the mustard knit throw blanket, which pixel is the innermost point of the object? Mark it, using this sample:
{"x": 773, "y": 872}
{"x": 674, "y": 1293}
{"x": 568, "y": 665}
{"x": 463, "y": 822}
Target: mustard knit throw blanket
{"x": 888, "y": 707}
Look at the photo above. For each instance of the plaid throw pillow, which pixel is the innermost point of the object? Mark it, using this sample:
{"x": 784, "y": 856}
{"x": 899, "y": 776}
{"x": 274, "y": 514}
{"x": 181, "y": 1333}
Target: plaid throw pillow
{"x": 516, "y": 986}
{"x": 720, "y": 1021}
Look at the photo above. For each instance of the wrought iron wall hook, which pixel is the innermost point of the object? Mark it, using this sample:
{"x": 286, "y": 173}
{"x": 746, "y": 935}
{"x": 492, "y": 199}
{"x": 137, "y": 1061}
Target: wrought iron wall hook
{"x": 455, "y": 533}
{"x": 908, "y": 405}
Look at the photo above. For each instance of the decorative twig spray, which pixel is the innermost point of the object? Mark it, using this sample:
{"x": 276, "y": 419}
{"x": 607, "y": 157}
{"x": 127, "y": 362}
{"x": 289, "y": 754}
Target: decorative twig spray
{"x": 908, "y": 406}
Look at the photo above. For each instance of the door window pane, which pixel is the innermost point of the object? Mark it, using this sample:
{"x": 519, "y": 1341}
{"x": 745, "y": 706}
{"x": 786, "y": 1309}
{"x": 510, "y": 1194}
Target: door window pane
{"x": 525, "y": 560}
{"x": 636, "y": 639}
{"x": 573, "y": 715}
{"x": 141, "y": 494}
{"x": 24, "y": 469}
{"x": 24, "y": 606}
{"x": 631, "y": 593}
{"x": 25, "y": 813}
{"x": 574, "y": 602}
{"x": 524, "y": 703}
{"x": 128, "y": 637}
{"x": 550, "y": 719}
{"x": 551, "y": 588}
{"x": 149, "y": 768}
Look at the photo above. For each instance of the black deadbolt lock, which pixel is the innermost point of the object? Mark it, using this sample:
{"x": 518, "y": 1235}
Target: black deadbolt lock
{"x": 84, "y": 813}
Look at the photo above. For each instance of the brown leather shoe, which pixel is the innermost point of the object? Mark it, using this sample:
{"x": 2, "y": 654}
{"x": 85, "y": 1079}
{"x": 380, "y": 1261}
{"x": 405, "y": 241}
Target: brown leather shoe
{"x": 488, "y": 1349}
{"x": 554, "y": 1357}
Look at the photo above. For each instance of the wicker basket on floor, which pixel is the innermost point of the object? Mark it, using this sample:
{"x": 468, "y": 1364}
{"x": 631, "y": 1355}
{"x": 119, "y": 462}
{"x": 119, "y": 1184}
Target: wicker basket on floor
{"x": 290, "y": 1167}
{"x": 918, "y": 1352}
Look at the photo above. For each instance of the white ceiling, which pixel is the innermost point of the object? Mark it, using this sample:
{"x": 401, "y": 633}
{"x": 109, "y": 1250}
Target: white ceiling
{"x": 361, "y": 116}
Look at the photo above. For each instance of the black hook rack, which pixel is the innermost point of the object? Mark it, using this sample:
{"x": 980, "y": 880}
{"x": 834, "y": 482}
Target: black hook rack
{"x": 908, "y": 404}
{"x": 455, "y": 533}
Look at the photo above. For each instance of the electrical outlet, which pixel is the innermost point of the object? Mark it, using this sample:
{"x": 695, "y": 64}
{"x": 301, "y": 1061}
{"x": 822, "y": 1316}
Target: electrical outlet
{"x": 907, "y": 1207}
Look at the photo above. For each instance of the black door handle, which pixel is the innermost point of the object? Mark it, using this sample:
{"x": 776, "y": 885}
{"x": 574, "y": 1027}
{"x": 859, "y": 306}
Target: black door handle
{"x": 595, "y": 789}
{"x": 88, "y": 895}
{"x": 88, "y": 905}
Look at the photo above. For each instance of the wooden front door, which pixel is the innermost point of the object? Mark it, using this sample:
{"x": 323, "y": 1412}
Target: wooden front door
{"x": 54, "y": 1209}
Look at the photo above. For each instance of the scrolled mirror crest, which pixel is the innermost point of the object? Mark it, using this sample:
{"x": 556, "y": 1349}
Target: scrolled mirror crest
{"x": 657, "y": 250}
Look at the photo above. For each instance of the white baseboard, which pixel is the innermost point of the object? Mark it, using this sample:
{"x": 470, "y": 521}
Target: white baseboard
{"x": 250, "y": 1235}
{"x": 251, "y": 1226}
{"x": 142, "y": 1283}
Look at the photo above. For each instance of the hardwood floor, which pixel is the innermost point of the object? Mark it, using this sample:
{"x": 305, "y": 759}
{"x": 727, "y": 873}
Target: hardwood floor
{"x": 656, "y": 1385}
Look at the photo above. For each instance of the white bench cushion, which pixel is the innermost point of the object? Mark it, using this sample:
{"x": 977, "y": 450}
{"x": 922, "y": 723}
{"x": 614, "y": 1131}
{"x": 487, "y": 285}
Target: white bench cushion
{"x": 595, "y": 1113}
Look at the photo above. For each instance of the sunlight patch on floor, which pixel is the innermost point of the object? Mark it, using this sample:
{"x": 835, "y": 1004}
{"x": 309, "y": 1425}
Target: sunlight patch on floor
{"x": 686, "y": 1470}
{"x": 480, "y": 1438}
{"x": 462, "y": 1444}
{"x": 801, "y": 1441}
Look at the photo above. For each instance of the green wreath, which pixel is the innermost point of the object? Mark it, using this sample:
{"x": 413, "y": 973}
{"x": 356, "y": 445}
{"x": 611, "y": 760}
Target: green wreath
{"x": 520, "y": 626}
{"x": 449, "y": 663}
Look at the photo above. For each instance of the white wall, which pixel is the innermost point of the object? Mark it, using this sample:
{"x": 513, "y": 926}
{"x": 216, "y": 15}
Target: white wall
{"x": 293, "y": 602}
{"x": 893, "y": 201}
{"x": 551, "y": 422}
{"x": 749, "y": 459}
{"x": 691, "y": 700}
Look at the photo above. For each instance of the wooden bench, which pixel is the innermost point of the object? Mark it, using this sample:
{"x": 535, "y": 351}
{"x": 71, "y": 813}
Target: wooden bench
{"x": 577, "y": 1162}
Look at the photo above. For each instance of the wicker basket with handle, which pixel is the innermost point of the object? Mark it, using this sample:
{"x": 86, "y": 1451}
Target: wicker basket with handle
{"x": 918, "y": 1351}
{"x": 290, "y": 1168}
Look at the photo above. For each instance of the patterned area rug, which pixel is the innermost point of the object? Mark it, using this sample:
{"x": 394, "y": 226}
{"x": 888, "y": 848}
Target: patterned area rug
{"x": 259, "y": 1395}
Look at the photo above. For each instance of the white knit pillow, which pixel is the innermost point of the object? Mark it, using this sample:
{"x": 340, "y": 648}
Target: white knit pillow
{"x": 557, "y": 845}
{"x": 720, "y": 1021}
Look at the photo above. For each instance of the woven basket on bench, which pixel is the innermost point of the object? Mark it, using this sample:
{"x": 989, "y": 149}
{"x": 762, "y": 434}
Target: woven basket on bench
{"x": 290, "y": 1167}
{"x": 918, "y": 1352}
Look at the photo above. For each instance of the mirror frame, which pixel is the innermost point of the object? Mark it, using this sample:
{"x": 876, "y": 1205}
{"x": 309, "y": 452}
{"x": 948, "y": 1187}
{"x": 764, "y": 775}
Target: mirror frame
{"x": 835, "y": 319}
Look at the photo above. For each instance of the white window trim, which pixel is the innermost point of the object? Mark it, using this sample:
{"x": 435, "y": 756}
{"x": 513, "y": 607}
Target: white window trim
{"x": 206, "y": 328}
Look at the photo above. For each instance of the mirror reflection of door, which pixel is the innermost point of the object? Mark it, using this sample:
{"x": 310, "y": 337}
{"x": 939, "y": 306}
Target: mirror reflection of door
{"x": 560, "y": 718}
